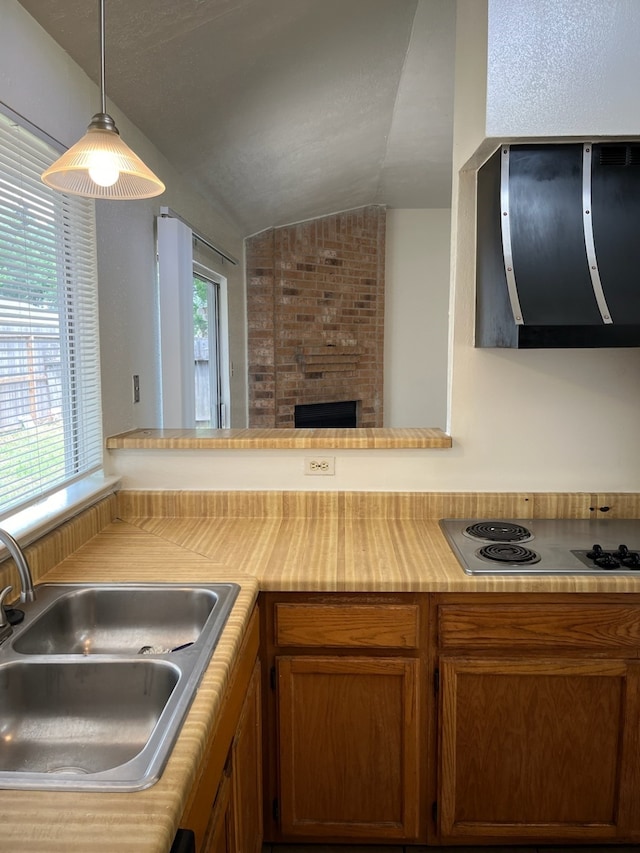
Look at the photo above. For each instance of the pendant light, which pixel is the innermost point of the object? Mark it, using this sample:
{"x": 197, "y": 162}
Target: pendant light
{"x": 101, "y": 165}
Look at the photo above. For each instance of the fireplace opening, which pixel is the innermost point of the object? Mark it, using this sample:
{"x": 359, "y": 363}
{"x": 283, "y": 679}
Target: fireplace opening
{"x": 342, "y": 414}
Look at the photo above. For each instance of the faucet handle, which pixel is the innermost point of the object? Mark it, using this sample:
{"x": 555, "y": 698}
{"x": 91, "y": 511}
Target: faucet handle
{"x": 4, "y": 622}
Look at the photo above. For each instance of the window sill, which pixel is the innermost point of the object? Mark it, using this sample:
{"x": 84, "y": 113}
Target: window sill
{"x": 35, "y": 521}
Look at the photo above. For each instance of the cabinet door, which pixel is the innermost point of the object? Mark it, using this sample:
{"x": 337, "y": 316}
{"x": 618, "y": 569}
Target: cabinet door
{"x": 247, "y": 771}
{"x": 348, "y": 740}
{"x": 219, "y": 836}
{"x": 535, "y": 748}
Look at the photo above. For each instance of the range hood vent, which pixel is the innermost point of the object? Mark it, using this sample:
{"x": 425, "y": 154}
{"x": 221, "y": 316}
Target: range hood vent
{"x": 619, "y": 155}
{"x": 558, "y": 246}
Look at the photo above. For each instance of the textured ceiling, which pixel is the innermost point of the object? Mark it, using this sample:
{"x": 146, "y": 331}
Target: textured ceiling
{"x": 280, "y": 110}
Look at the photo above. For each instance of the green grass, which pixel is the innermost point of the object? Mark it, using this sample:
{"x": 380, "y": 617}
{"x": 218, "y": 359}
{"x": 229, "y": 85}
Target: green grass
{"x": 28, "y": 456}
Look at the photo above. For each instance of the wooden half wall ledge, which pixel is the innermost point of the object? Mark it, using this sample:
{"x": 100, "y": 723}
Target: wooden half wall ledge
{"x": 280, "y": 439}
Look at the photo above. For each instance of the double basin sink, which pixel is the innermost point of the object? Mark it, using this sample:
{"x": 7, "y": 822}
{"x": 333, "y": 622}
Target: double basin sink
{"x": 96, "y": 681}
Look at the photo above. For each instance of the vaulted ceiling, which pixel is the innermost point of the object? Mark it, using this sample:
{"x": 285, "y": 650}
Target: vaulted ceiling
{"x": 280, "y": 110}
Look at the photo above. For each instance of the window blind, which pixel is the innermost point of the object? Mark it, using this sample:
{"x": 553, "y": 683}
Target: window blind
{"x": 50, "y": 400}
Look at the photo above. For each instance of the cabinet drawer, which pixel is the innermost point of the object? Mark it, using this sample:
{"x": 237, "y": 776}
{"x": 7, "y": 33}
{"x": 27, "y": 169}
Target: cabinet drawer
{"x": 390, "y": 626}
{"x": 539, "y": 626}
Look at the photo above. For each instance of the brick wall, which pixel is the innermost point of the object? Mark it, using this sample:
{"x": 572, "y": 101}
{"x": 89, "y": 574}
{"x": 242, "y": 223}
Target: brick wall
{"x": 315, "y": 311}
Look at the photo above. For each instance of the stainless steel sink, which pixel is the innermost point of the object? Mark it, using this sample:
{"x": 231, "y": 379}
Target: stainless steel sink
{"x": 104, "y": 620}
{"x": 80, "y": 718}
{"x": 96, "y": 682}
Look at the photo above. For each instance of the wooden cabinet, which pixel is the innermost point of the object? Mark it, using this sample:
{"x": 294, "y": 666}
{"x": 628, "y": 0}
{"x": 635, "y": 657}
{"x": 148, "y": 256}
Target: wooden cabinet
{"x": 448, "y": 719}
{"x": 246, "y": 763}
{"x": 225, "y": 806}
{"x": 538, "y": 719}
{"x": 235, "y": 821}
{"x": 344, "y": 703}
{"x": 349, "y": 746}
{"x": 219, "y": 833}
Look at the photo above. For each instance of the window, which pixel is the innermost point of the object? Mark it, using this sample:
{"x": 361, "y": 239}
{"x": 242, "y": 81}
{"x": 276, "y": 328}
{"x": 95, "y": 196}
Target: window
{"x": 194, "y": 335}
{"x": 206, "y": 349}
{"x": 50, "y": 416}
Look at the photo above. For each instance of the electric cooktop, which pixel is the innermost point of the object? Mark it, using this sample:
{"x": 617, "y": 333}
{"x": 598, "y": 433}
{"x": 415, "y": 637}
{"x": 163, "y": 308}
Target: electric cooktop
{"x": 545, "y": 546}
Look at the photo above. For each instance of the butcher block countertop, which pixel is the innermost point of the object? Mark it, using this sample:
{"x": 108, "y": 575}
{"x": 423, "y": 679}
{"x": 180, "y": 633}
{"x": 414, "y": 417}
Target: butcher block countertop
{"x": 329, "y": 553}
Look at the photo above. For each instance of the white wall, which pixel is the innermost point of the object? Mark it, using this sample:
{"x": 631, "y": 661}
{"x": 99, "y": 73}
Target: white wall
{"x": 39, "y": 81}
{"x": 537, "y": 420}
{"x": 521, "y": 421}
{"x": 416, "y": 319}
{"x": 470, "y": 90}
{"x": 563, "y": 67}
{"x": 561, "y": 419}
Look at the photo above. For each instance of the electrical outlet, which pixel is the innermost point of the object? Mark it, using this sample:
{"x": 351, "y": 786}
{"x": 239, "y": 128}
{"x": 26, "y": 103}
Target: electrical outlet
{"x": 320, "y": 466}
{"x": 136, "y": 388}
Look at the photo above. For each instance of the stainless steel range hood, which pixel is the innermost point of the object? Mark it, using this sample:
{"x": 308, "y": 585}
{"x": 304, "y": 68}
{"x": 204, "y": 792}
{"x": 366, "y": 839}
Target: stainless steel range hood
{"x": 558, "y": 246}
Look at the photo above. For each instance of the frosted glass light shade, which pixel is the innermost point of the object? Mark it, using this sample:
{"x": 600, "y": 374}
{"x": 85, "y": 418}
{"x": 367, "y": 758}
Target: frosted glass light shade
{"x": 101, "y": 165}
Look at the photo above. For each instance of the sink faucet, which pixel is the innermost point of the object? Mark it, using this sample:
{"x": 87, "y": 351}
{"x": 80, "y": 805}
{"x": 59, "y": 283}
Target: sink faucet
{"x": 27, "y": 593}
{"x": 5, "y": 626}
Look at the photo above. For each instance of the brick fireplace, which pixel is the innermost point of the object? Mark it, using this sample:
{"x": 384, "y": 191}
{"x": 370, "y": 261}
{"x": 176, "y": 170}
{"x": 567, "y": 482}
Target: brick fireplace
{"x": 315, "y": 316}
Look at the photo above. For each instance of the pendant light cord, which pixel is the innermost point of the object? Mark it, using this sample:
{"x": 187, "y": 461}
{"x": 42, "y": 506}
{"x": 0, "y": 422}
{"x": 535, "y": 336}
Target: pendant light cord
{"x": 103, "y": 94}
{"x": 101, "y": 165}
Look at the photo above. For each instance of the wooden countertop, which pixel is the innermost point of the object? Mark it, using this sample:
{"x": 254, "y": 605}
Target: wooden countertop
{"x": 349, "y": 554}
{"x": 279, "y": 439}
{"x": 288, "y": 554}
{"x": 144, "y": 821}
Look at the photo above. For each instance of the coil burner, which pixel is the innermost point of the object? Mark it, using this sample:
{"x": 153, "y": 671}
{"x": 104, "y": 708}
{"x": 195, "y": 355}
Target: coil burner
{"x": 498, "y": 531}
{"x": 507, "y": 552}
